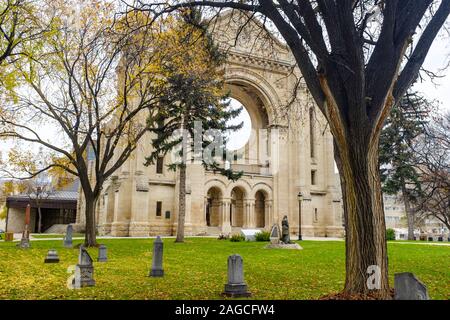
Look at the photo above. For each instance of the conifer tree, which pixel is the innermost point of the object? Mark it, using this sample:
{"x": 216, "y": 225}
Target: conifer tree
{"x": 194, "y": 95}
{"x": 397, "y": 160}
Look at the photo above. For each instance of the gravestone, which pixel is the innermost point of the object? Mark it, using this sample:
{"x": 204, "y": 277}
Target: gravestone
{"x": 52, "y": 256}
{"x": 68, "y": 236}
{"x": 102, "y": 254}
{"x": 276, "y": 243}
{"x": 430, "y": 238}
{"x": 236, "y": 287}
{"x": 84, "y": 272}
{"x": 25, "y": 240}
{"x": 275, "y": 234}
{"x": 408, "y": 287}
{"x": 249, "y": 234}
{"x": 157, "y": 260}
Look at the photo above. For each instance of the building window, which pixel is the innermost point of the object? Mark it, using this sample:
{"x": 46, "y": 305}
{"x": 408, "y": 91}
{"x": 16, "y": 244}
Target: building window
{"x": 312, "y": 137}
{"x": 159, "y": 165}
{"x": 316, "y": 217}
{"x": 158, "y": 208}
{"x": 313, "y": 177}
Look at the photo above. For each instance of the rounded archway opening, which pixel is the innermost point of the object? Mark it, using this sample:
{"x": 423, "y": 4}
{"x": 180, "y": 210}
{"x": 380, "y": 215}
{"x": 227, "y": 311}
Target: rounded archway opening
{"x": 237, "y": 139}
{"x": 237, "y": 207}
{"x": 260, "y": 209}
{"x": 213, "y": 207}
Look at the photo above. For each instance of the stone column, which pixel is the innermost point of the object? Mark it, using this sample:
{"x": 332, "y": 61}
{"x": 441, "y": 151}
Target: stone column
{"x": 139, "y": 225}
{"x": 249, "y": 213}
{"x": 226, "y": 226}
{"x": 268, "y": 214}
{"x": 122, "y": 208}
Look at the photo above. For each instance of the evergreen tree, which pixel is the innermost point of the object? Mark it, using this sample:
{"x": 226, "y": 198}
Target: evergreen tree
{"x": 194, "y": 92}
{"x": 397, "y": 160}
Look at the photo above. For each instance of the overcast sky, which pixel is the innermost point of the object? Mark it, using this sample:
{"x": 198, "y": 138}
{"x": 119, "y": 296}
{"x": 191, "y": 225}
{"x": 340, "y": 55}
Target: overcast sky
{"x": 437, "y": 59}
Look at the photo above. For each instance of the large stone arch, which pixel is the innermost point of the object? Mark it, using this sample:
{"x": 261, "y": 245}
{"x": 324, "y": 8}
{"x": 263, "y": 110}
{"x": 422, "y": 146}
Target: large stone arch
{"x": 260, "y": 86}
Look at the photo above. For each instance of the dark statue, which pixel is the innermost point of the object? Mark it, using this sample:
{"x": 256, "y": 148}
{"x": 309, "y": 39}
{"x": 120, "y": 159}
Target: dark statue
{"x": 285, "y": 238}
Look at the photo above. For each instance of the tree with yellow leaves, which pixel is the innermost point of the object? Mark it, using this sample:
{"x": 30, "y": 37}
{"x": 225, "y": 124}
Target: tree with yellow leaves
{"x": 96, "y": 81}
{"x": 92, "y": 83}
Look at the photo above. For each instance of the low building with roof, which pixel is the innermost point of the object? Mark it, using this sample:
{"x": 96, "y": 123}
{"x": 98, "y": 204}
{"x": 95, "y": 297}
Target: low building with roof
{"x": 57, "y": 208}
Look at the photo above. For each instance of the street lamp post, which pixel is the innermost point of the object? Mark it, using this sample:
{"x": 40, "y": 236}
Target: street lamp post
{"x": 300, "y": 199}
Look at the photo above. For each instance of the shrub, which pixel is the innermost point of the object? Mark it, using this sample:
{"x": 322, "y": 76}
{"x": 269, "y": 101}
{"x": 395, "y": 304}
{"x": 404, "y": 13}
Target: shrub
{"x": 237, "y": 237}
{"x": 222, "y": 237}
{"x": 262, "y": 236}
{"x": 390, "y": 234}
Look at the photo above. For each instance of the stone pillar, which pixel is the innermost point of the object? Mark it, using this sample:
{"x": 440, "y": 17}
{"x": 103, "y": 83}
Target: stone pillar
{"x": 268, "y": 214}
{"x": 122, "y": 208}
{"x": 226, "y": 225}
{"x": 247, "y": 214}
{"x": 108, "y": 209}
{"x": 139, "y": 225}
{"x": 251, "y": 215}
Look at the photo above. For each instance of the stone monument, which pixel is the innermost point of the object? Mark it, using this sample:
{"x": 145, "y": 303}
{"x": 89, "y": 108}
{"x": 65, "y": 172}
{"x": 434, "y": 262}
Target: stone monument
{"x": 275, "y": 234}
{"x": 102, "y": 254}
{"x": 84, "y": 271}
{"x": 68, "y": 236}
{"x": 277, "y": 239}
{"x": 408, "y": 287}
{"x": 250, "y": 234}
{"x": 236, "y": 287}
{"x": 25, "y": 241}
{"x": 157, "y": 260}
{"x": 52, "y": 256}
{"x": 285, "y": 233}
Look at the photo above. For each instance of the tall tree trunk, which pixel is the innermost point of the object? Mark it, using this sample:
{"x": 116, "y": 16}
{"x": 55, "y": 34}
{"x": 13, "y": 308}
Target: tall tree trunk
{"x": 39, "y": 219}
{"x": 366, "y": 250}
{"x": 90, "y": 239}
{"x": 182, "y": 195}
{"x": 182, "y": 205}
{"x": 409, "y": 212}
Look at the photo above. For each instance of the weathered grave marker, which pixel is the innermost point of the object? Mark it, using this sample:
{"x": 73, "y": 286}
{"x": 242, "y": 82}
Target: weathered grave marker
{"x": 236, "y": 287}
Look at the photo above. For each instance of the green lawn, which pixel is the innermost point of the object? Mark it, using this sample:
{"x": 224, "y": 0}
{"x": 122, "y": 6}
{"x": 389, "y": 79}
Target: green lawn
{"x": 197, "y": 269}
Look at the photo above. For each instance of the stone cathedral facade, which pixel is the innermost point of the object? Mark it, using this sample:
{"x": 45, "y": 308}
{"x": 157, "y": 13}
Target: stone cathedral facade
{"x": 289, "y": 152}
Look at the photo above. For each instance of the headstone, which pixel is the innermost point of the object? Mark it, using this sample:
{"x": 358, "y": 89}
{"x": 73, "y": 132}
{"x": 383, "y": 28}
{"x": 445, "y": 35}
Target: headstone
{"x": 102, "y": 254}
{"x": 236, "y": 287}
{"x": 430, "y": 238}
{"x": 52, "y": 256}
{"x": 275, "y": 234}
{"x": 408, "y": 287}
{"x": 25, "y": 240}
{"x": 249, "y": 234}
{"x": 157, "y": 261}
{"x": 84, "y": 272}
{"x": 68, "y": 237}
